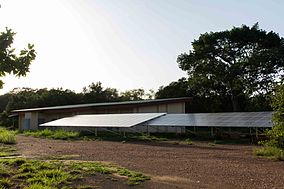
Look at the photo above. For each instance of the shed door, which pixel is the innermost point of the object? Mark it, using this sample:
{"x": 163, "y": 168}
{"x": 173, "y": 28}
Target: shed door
{"x": 27, "y": 124}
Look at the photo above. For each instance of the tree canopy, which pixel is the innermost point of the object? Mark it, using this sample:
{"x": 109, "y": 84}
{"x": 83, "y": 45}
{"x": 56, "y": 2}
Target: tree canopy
{"x": 240, "y": 62}
{"x": 10, "y": 63}
{"x": 175, "y": 89}
{"x": 276, "y": 134}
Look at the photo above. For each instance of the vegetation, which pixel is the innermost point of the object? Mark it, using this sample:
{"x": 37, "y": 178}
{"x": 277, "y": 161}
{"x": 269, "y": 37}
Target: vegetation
{"x": 24, "y": 173}
{"x": 188, "y": 141}
{"x": 146, "y": 137}
{"x": 7, "y": 137}
{"x": 134, "y": 178}
{"x": 53, "y": 172}
{"x": 7, "y": 151}
{"x": 59, "y": 134}
{"x": 270, "y": 152}
{"x": 21, "y": 98}
{"x": 237, "y": 63}
{"x": 10, "y": 63}
{"x": 274, "y": 146}
{"x": 276, "y": 134}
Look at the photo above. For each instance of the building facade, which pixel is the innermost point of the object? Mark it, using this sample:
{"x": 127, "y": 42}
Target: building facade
{"x": 29, "y": 119}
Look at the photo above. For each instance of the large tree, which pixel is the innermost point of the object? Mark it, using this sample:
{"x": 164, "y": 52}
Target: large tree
{"x": 95, "y": 92}
{"x": 10, "y": 63}
{"x": 175, "y": 89}
{"x": 239, "y": 63}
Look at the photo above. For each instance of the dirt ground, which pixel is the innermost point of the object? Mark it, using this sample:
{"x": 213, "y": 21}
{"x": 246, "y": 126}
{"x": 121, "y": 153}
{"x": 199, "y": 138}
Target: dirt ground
{"x": 169, "y": 164}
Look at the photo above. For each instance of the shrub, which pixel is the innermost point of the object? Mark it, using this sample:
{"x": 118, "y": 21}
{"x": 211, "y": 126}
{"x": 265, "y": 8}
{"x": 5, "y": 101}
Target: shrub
{"x": 270, "y": 152}
{"x": 277, "y": 132}
{"x": 7, "y": 137}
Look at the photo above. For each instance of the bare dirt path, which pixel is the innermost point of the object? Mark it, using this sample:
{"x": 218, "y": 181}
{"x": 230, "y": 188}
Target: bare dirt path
{"x": 171, "y": 165}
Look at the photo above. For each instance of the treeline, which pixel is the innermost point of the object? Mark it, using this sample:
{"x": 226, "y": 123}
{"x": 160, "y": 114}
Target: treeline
{"x": 21, "y": 98}
{"x": 207, "y": 100}
{"x": 203, "y": 101}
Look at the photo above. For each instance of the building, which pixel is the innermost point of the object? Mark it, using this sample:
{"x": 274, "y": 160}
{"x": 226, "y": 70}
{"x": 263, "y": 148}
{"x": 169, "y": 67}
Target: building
{"x": 29, "y": 119}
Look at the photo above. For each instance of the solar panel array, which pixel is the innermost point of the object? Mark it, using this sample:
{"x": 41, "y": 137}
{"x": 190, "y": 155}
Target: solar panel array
{"x": 238, "y": 119}
{"x": 103, "y": 120}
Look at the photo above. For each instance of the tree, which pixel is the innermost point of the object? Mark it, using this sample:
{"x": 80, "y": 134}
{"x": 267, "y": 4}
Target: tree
{"x": 10, "y": 63}
{"x": 96, "y": 93}
{"x": 4, "y": 99}
{"x": 134, "y": 94}
{"x": 58, "y": 97}
{"x": 276, "y": 134}
{"x": 202, "y": 101}
{"x": 175, "y": 89}
{"x": 238, "y": 63}
{"x": 20, "y": 98}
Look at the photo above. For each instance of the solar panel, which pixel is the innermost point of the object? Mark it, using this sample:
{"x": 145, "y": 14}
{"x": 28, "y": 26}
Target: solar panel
{"x": 236, "y": 119}
{"x": 103, "y": 120}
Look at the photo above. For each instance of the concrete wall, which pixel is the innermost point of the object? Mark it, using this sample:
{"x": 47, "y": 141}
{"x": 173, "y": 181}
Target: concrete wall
{"x": 174, "y": 108}
{"x": 28, "y": 121}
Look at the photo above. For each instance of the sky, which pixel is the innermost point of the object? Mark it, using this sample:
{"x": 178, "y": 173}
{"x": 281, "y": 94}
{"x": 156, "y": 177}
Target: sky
{"x": 124, "y": 44}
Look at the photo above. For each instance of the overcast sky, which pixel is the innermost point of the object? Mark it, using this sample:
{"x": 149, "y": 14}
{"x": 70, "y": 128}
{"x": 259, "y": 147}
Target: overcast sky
{"x": 125, "y": 44}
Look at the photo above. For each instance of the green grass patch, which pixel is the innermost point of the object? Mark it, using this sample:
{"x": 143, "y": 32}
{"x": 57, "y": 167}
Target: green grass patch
{"x": 6, "y": 151}
{"x": 29, "y": 174}
{"x": 270, "y": 152}
{"x": 5, "y": 182}
{"x": 60, "y": 157}
{"x": 59, "y": 134}
{"x": 7, "y": 136}
{"x": 133, "y": 177}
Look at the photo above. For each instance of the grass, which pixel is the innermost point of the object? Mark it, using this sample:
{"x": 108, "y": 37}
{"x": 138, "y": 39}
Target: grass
{"x": 29, "y": 174}
{"x": 270, "y": 152}
{"x": 134, "y": 178}
{"x": 7, "y": 137}
{"x": 58, "y": 134}
{"x": 58, "y": 172}
{"x": 5, "y": 182}
{"x": 61, "y": 134}
{"x": 6, "y": 151}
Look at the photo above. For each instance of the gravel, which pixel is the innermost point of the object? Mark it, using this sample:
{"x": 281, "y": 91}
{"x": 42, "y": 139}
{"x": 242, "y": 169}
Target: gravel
{"x": 171, "y": 165}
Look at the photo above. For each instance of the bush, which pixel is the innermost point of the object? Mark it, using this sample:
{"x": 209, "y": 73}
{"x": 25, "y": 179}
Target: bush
{"x": 274, "y": 146}
{"x": 270, "y": 152}
{"x": 276, "y": 134}
{"x": 7, "y": 137}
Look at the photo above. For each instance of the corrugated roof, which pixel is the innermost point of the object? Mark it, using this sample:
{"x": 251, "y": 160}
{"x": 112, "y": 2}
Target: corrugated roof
{"x": 232, "y": 119}
{"x": 125, "y": 103}
{"x": 103, "y": 120}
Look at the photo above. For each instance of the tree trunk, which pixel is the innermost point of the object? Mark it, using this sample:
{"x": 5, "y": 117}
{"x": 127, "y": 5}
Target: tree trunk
{"x": 235, "y": 103}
